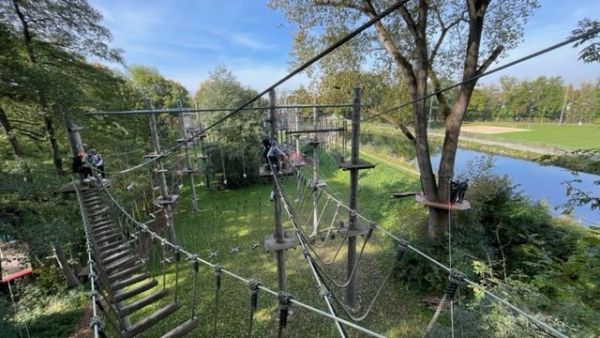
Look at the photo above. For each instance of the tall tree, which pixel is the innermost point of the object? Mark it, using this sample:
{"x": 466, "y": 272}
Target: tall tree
{"x": 55, "y": 33}
{"x": 425, "y": 40}
{"x": 237, "y": 140}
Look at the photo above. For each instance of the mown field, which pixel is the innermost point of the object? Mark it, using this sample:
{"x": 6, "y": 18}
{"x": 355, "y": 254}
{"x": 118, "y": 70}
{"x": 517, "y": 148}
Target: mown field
{"x": 566, "y": 136}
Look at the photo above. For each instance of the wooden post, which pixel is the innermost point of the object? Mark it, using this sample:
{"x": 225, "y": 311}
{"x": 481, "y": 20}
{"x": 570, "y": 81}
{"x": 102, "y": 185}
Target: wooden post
{"x": 162, "y": 180}
{"x": 74, "y": 136}
{"x": 315, "y": 182}
{"x": 352, "y": 226}
{"x": 277, "y": 204}
{"x": 190, "y": 171}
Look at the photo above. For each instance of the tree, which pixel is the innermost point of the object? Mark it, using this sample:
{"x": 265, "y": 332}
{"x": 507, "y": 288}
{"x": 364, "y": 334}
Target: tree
{"x": 56, "y": 35}
{"x": 237, "y": 140}
{"x": 591, "y": 50}
{"x": 425, "y": 41}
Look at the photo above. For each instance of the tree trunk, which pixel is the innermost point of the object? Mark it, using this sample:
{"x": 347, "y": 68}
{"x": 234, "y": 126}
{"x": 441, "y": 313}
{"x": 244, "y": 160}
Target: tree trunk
{"x": 70, "y": 276}
{"x": 54, "y": 147}
{"x": 48, "y": 123}
{"x": 12, "y": 138}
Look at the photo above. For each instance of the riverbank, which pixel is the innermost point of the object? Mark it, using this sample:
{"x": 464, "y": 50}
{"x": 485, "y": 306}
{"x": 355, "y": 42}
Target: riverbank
{"x": 586, "y": 161}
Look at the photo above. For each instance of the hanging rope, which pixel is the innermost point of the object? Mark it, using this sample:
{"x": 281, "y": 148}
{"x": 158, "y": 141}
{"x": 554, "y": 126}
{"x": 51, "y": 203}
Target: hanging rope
{"x": 454, "y": 280}
{"x": 254, "y": 286}
{"x": 177, "y": 260}
{"x": 218, "y": 270}
{"x": 284, "y": 299}
{"x": 196, "y": 268}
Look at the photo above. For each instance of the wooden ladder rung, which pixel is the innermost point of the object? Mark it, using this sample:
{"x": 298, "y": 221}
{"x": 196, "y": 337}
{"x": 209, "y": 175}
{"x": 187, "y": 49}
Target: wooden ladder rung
{"x": 142, "y": 303}
{"x": 124, "y": 273}
{"x": 117, "y": 255}
{"x": 123, "y": 262}
{"x": 154, "y": 318}
{"x": 122, "y": 295}
{"x": 129, "y": 281}
{"x": 183, "y": 328}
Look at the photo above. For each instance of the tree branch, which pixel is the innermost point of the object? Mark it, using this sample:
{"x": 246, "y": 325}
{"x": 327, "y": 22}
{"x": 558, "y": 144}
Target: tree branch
{"x": 389, "y": 45}
{"x": 487, "y": 62}
{"x": 339, "y": 4}
{"x": 409, "y": 135}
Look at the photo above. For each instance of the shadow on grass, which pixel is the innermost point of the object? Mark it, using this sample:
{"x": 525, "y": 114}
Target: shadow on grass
{"x": 55, "y": 325}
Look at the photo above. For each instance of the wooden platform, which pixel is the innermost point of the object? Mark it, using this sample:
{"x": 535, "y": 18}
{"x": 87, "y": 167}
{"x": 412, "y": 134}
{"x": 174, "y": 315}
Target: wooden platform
{"x": 464, "y": 205}
{"x": 361, "y": 165}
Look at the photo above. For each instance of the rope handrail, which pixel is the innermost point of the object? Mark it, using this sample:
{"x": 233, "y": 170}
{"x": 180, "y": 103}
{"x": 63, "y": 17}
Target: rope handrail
{"x": 195, "y": 258}
{"x": 441, "y": 265}
{"x": 318, "y": 271}
{"x": 95, "y": 322}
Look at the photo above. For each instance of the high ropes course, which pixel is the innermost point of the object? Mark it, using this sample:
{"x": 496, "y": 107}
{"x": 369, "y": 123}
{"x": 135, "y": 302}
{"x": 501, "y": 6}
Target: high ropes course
{"x": 137, "y": 265}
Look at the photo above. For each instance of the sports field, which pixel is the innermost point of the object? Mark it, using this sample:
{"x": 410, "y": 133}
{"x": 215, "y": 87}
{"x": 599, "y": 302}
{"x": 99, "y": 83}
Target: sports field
{"x": 567, "y": 137}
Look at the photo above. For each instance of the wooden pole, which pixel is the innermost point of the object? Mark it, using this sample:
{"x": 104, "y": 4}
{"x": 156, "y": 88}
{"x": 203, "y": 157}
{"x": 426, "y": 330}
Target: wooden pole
{"x": 352, "y": 286}
{"x": 277, "y": 203}
{"x": 190, "y": 170}
{"x": 315, "y": 171}
{"x": 162, "y": 180}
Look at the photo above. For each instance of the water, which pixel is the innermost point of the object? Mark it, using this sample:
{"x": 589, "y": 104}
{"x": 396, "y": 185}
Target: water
{"x": 536, "y": 181}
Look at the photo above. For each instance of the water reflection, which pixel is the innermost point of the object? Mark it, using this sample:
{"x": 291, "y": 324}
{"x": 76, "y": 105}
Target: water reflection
{"x": 536, "y": 181}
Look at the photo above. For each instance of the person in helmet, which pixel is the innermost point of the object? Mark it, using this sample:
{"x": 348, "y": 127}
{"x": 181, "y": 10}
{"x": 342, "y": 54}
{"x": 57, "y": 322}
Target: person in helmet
{"x": 97, "y": 161}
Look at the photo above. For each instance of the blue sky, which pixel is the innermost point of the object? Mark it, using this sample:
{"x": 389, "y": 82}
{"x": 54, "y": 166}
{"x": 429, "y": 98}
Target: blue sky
{"x": 186, "y": 39}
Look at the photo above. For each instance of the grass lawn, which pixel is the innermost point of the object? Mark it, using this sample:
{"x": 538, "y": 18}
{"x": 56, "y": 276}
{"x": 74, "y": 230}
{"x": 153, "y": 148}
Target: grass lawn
{"x": 241, "y": 218}
{"x": 566, "y": 136}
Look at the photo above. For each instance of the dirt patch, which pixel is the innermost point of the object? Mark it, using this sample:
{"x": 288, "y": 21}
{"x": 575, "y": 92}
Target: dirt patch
{"x": 491, "y": 129}
{"x": 83, "y": 327}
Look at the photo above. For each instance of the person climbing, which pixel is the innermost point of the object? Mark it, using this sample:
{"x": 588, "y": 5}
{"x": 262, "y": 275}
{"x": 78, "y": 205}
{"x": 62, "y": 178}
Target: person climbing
{"x": 267, "y": 144}
{"x": 97, "y": 162}
{"x": 81, "y": 166}
{"x": 274, "y": 155}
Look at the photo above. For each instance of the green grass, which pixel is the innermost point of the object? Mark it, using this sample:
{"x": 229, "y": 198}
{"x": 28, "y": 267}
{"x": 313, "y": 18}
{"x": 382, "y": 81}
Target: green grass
{"x": 242, "y": 217}
{"x": 566, "y": 136}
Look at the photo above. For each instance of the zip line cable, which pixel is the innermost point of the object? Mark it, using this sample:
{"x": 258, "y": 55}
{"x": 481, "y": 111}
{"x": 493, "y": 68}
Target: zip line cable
{"x": 572, "y": 39}
{"x": 294, "y": 72}
{"x": 337, "y": 45}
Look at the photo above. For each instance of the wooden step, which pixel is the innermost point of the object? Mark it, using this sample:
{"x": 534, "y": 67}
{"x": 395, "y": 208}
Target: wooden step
{"x": 104, "y": 223}
{"x": 118, "y": 255}
{"x": 101, "y": 222}
{"x": 111, "y": 246}
{"x": 124, "y": 262}
{"x": 112, "y": 231}
{"x": 129, "y": 281}
{"x": 142, "y": 303}
{"x": 99, "y": 212}
{"x": 116, "y": 249}
{"x": 105, "y": 228}
{"x": 183, "y": 328}
{"x": 109, "y": 238}
{"x": 125, "y": 273}
{"x": 122, "y": 295}
{"x": 149, "y": 321}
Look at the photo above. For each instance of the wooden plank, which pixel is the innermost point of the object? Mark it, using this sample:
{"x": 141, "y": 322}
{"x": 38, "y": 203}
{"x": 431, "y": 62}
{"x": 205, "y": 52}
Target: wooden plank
{"x": 464, "y": 205}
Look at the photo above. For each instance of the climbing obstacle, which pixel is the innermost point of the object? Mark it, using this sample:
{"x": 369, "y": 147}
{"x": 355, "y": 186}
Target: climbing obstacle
{"x": 125, "y": 285}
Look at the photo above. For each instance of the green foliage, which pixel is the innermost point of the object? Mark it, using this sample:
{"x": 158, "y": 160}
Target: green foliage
{"x": 47, "y": 315}
{"x": 237, "y": 141}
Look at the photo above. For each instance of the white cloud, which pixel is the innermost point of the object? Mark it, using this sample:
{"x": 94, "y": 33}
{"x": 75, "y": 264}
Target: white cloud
{"x": 246, "y": 40}
{"x": 255, "y": 76}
